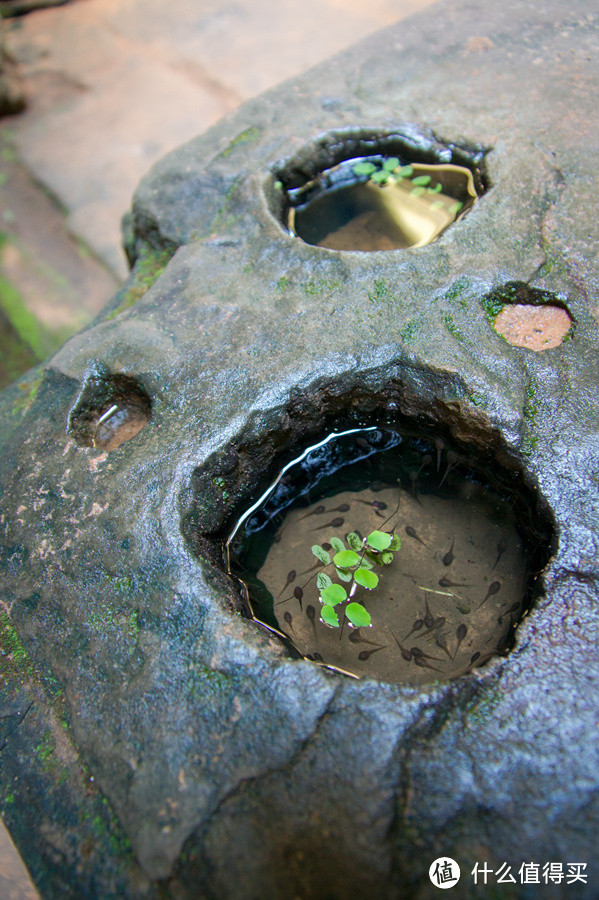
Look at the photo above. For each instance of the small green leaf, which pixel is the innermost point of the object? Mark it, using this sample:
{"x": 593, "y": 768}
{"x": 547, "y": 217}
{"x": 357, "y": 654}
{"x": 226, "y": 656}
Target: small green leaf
{"x": 365, "y": 564}
{"x": 344, "y": 575}
{"x": 372, "y": 557}
{"x": 380, "y": 177}
{"x": 333, "y": 594}
{"x": 329, "y": 616}
{"x": 357, "y": 615}
{"x": 345, "y": 559}
{"x": 321, "y": 554}
{"x": 379, "y": 540}
{"x": 405, "y": 172}
{"x": 418, "y": 191}
{"x": 323, "y": 581}
{"x": 391, "y": 164}
{"x": 386, "y": 558}
{"x": 278, "y": 185}
{"x": 364, "y": 168}
{"x": 355, "y": 541}
{"x": 395, "y": 543}
{"x": 367, "y": 579}
{"x": 337, "y": 544}
{"x": 436, "y": 189}
{"x": 454, "y": 210}
{"x": 438, "y": 204}
{"x": 421, "y": 180}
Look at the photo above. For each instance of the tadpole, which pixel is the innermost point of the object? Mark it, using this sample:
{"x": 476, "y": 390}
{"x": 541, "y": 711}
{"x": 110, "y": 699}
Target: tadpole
{"x": 291, "y": 576}
{"x": 365, "y": 654}
{"x": 460, "y": 632}
{"x": 411, "y": 532}
{"x": 299, "y": 595}
{"x": 418, "y": 624}
{"x": 334, "y": 523}
{"x": 315, "y": 512}
{"x": 494, "y": 587}
{"x": 449, "y": 557}
{"x": 311, "y": 613}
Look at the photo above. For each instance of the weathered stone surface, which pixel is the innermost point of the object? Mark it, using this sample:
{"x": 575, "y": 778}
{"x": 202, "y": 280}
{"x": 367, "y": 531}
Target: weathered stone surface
{"x": 232, "y": 770}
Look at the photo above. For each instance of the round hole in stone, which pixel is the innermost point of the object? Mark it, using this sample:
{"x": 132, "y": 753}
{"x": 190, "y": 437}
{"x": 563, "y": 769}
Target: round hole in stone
{"x": 111, "y": 409}
{"x": 529, "y": 318}
{"x": 374, "y": 192}
{"x": 448, "y": 600}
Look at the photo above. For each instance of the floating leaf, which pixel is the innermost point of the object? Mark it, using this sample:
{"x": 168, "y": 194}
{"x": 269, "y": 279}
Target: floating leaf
{"x": 367, "y": 579}
{"x": 405, "y": 171}
{"x": 364, "y": 168}
{"x": 454, "y": 210}
{"x": 395, "y": 543}
{"x": 438, "y": 204}
{"x": 391, "y": 164}
{"x": 344, "y": 575}
{"x": 365, "y": 564}
{"x": 337, "y": 544}
{"x": 386, "y": 558}
{"x": 373, "y": 558}
{"x": 436, "y": 189}
{"x": 321, "y": 554}
{"x": 417, "y": 191}
{"x": 380, "y": 177}
{"x": 345, "y": 559}
{"x": 355, "y": 541}
{"x": 329, "y": 616}
{"x": 357, "y": 615}
{"x": 333, "y": 594}
{"x": 323, "y": 581}
{"x": 421, "y": 180}
{"x": 379, "y": 540}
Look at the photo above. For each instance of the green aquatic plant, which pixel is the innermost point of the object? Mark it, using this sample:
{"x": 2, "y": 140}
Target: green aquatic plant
{"x": 352, "y": 564}
{"x": 391, "y": 171}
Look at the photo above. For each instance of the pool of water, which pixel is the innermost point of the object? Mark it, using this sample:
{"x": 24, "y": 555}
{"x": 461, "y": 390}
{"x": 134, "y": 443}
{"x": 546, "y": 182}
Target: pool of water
{"x": 452, "y": 595}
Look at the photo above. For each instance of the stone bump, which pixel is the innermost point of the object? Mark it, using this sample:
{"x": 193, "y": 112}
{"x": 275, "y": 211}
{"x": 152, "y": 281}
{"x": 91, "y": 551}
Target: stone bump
{"x": 154, "y": 742}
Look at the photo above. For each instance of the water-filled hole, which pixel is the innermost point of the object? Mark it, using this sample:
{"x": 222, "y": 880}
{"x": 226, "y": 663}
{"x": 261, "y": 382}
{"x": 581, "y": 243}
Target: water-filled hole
{"x": 378, "y": 193}
{"x": 530, "y": 318}
{"x": 111, "y": 409}
{"x": 448, "y": 600}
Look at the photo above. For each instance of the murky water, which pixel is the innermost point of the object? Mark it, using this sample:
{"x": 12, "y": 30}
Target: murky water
{"x": 408, "y": 206}
{"x": 447, "y": 601}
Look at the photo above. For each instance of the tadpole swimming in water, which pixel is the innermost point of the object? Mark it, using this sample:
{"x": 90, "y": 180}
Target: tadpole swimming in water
{"x": 315, "y": 512}
{"x": 508, "y": 612}
{"x": 501, "y": 548}
{"x": 412, "y": 533}
{"x": 493, "y": 589}
{"x": 366, "y": 654}
{"x": 334, "y": 523}
{"x": 440, "y": 447}
{"x": 356, "y": 638}
{"x": 291, "y": 576}
{"x": 438, "y": 623}
{"x": 429, "y": 619}
{"x": 417, "y": 653}
{"x": 452, "y": 461}
{"x": 406, "y": 654}
{"x": 418, "y": 624}
{"x": 289, "y": 620}
{"x": 449, "y": 557}
{"x": 311, "y": 613}
{"x": 424, "y": 665}
{"x": 460, "y": 632}
{"x": 376, "y": 505}
{"x": 447, "y": 582}
{"x": 299, "y": 595}
{"x": 442, "y": 643}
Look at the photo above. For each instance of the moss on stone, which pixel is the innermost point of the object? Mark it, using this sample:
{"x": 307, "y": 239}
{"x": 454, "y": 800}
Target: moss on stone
{"x": 453, "y": 328}
{"x": 248, "y": 136}
{"x": 408, "y": 332}
{"x": 380, "y": 291}
{"x": 149, "y": 266}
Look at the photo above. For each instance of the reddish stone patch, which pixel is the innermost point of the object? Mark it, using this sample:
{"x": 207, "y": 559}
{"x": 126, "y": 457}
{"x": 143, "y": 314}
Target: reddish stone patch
{"x": 534, "y": 327}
